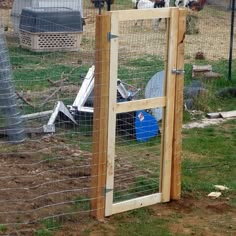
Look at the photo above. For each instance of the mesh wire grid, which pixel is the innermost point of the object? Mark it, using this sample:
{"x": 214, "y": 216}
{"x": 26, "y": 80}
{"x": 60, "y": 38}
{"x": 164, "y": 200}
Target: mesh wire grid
{"x": 46, "y": 179}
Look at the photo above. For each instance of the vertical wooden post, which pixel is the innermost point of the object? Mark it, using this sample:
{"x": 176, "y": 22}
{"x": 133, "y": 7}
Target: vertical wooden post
{"x": 178, "y": 112}
{"x": 112, "y": 113}
{"x": 100, "y": 116}
{"x": 169, "y": 116}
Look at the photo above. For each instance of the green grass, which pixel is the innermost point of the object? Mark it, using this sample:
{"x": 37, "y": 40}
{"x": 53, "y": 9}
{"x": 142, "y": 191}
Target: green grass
{"x": 209, "y": 158}
{"x": 43, "y": 232}
{"x": 123, "y": 4}
{"x": 36, "y": 79}
{"x": 49, "y": 226}
{"x": 146, "y": 185}
{"x": 31, "y": 71}
{"x": 220, "y": 66}
{"x": 211, "y": 141}
{"x": 142, "y": 186}
{"x": 211, "y": 102}
{"x": 3, "y": 228}
{"x": 141, "y": 222}
{"x": 150, "y": 227}
{"x": 81, "y": 139}
{"x": 82, "y": 203}
{"x": 140, "y": 70}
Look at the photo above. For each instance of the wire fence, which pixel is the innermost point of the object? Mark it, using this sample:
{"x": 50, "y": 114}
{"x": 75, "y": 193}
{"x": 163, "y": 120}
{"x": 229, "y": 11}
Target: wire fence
{"x": 141, "y": 56}
{"x": 46, "y": 179}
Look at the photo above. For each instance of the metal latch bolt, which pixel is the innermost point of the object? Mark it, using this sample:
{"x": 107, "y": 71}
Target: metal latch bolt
{"x": 178, "y": 72}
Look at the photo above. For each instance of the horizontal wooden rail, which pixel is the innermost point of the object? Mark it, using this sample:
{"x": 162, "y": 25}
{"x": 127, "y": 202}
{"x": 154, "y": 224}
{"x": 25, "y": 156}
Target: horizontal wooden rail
{"x": 140, "y": 104}
{"x": 136, "y": 203}
{"x": 144, "y": 14}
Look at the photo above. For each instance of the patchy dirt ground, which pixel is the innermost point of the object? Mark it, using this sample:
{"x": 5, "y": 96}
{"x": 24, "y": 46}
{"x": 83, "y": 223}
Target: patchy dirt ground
{"x": 50, "y": 177}
{"x": 189, "y": 216}
{"x": 40, "y": 178}
{"x": 45, "y": 177}
{"x": 203, "y": 217}
{"x": 204, "y": 123}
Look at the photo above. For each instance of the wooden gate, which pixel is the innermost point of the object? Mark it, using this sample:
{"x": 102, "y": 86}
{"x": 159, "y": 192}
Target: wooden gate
{"x": 106, "y": 108}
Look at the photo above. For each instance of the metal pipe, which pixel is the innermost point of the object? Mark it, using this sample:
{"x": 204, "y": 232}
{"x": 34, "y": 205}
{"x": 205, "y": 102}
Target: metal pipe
{"x": 100, "y": 7}
{"x": 231, "y": 40}
{"x": 108, "y": 5}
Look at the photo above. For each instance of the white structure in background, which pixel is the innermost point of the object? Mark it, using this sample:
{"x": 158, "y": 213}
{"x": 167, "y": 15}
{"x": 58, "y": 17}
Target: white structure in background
{"x": 79, "y": 104}
{"x": 155, "y": 88}
{"x": 59, "y": 108}
{"x": 18, "y": 5}
{"x": 86, "y": 92}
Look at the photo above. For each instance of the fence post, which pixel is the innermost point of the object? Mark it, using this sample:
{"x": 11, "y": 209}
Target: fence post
{"x": 168, "y": 122}
{"x": 100, "y": 116}
{"x": 232, "y": 5}
{"x": 175, "y": 192}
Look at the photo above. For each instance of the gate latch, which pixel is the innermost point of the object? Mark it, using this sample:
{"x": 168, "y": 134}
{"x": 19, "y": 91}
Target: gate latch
{"x": 178, "y": 72}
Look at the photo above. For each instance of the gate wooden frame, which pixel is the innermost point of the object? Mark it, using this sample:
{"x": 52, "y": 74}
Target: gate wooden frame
{"x": 106, "y": 108}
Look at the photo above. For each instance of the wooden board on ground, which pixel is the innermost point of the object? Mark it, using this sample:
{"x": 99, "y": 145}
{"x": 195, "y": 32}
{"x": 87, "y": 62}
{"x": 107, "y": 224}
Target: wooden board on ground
{"x": 198, "y": 71}
{"x": 225, "y": 114}
{"x": 228, "y": 114}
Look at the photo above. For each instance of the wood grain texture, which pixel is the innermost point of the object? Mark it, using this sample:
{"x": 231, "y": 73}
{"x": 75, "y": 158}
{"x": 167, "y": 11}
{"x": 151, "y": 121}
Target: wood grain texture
{"x": 169, "y": 115}
{"x": 175, "y": 192}
{"x": 141, "y": 104}
{"x": 136, "y": 203}
{"x": 144, "y": 14}
{"x": 100, "y": 116}
{"x": 112, "y": 114}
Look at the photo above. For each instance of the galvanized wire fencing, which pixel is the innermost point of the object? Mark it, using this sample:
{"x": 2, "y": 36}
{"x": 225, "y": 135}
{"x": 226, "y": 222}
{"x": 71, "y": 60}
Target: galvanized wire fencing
{"x": 46, "y": 180}
{"x": 10, "y": 116}
{"x": 141, "y": 58}
{"x": 208, "y": 31}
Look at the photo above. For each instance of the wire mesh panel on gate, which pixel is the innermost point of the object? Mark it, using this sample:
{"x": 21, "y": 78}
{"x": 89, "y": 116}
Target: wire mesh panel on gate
{"x": 141, "y": 55}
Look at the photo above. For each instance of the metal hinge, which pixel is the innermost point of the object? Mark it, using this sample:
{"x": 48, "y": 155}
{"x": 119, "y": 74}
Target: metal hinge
{"x": 178, "y": 72}
{"x": 111, "y": 36}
